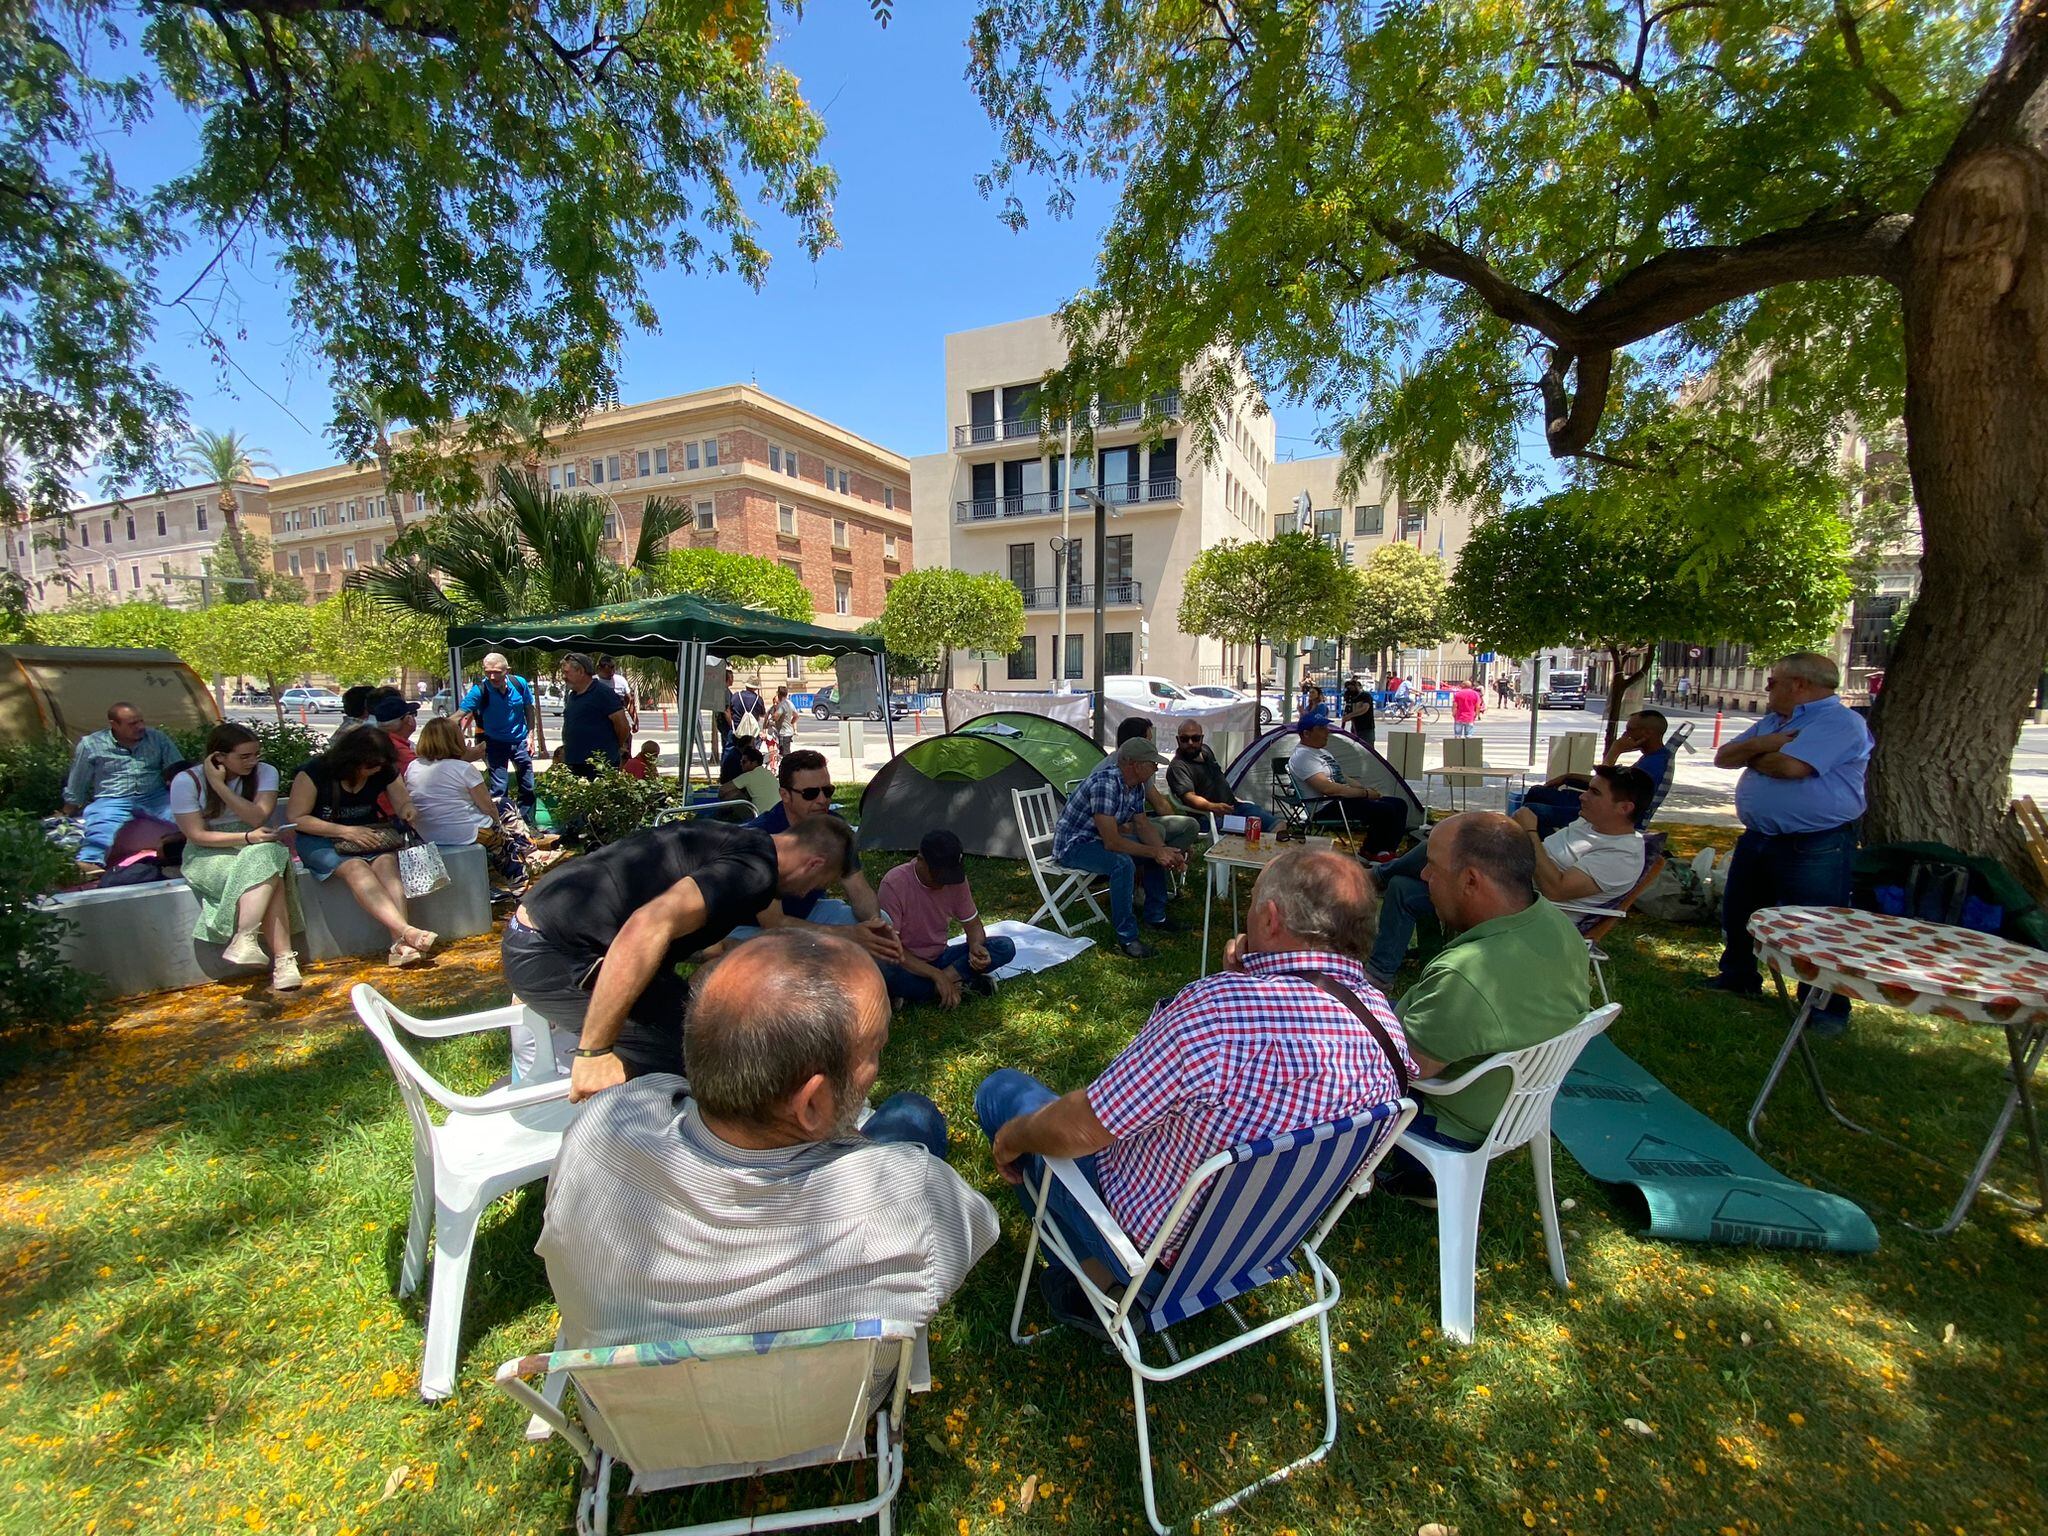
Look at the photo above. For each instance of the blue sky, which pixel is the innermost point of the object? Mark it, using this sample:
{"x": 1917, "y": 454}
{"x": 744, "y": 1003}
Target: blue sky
{"x": 856, "y": 337}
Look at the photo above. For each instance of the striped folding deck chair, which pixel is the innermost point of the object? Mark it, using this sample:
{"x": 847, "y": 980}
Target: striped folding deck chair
{"x": 1264, "y": 1209}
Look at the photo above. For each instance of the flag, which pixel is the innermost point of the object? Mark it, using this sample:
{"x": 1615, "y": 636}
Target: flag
{"x": 1439, "y": 542}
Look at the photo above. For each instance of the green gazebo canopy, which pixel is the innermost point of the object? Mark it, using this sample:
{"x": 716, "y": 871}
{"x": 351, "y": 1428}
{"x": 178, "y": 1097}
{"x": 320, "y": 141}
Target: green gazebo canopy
{"x": 660, "y": 626}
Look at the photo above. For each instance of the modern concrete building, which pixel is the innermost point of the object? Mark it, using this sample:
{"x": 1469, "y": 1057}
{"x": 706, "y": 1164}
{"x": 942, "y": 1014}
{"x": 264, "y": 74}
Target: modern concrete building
{"x": 1000, "y": 505}
{"x": 760, "y": 476}
{"x": 150, "y": 547}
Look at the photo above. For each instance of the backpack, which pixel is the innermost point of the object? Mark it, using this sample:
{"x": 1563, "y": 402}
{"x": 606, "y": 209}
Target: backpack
{"x": 1937, "y": 884}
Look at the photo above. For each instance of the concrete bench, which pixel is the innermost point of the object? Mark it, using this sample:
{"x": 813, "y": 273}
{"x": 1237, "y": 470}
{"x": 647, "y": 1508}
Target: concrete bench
{"x": 138, "y": 938}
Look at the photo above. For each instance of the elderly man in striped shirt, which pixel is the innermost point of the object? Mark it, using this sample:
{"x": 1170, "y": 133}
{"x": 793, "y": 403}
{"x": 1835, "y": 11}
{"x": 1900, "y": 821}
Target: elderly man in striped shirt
{"x": 1290, "y": 1034}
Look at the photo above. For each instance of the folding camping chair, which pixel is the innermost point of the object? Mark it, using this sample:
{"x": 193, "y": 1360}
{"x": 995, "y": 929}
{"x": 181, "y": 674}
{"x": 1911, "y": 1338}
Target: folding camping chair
{"x": 1288, "y": 801}
{"x": 1038, "y": 816}
{"x": 1595, "y": 922}
{"x": 707, "y": 1410}
{"x": 489, "y": 1145}
{"x": 1259, "y": 1203}
{"x": 1535, "y": 1075}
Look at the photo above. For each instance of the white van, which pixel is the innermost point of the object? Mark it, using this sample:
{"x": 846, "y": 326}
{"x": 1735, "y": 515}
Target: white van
{"x": 1148, "y": 692}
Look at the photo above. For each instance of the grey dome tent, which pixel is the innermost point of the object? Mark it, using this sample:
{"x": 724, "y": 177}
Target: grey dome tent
{"x": 1251, "y": 772}
{"x": 962, "y": 781}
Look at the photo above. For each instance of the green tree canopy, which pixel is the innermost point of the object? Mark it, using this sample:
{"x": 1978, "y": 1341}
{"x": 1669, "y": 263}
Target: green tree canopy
{"x": 355, "y": 642}
{"x": 256, "y": 555}
{"x": 722, "y": 576}
{"x": 1602, "y": 568}
{"x": 1401, "y": 600}
{"x": 1282, "y": 590}
{"x": 1660, "y": 235}
{"x": 142, "y": 625}
{"x": 467, "y": 199}
{"x": 936, "y": 611}
{"x": 270, "y": 641}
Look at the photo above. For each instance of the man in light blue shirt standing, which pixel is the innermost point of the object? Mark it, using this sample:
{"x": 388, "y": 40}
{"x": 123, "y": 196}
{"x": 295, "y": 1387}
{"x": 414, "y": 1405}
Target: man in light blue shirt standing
{"x": 507, "y": 716}
{"x": 1800, "y": 798}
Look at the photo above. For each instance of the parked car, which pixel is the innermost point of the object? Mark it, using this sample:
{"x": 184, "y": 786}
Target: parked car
{"x": 249, "y": 697}
{"x": 1223, "y": 693}
{"x": 318, "y": 700}
{"x": 1564, "y": 689}
{"x": 825, "y": 706}
{"x": 1144, "y": 690}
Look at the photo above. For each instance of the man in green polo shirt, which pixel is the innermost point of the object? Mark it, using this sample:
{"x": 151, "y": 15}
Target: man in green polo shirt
{"x": 1512, "y": 975}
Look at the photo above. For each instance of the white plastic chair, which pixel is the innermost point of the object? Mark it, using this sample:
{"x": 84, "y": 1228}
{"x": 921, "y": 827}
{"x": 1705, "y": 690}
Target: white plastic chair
{"x": 1535, "y": 1073}
{"x": 487, "y": 1145}
{"x": 706, "y": 1410}
{"x": 1038, "y": 817}
{"x": 1261, "y": 1204}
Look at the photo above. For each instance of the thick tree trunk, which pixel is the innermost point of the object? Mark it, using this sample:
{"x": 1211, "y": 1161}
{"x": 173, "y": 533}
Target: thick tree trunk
{"x": 1962, "y": 679}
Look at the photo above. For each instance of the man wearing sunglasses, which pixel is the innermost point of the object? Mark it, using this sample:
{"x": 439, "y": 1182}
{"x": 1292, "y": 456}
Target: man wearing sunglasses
{"x": 1196, "y": 780}
{"x": 806, "y": 794}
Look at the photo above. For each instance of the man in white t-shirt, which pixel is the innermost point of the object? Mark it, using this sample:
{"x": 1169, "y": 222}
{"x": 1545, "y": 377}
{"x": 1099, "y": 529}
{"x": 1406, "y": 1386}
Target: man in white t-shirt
{"x": 1319, "y": 780}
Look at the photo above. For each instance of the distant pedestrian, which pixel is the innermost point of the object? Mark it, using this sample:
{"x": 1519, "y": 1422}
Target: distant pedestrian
{"x": 782, "y": 722}
{"x": 1467, "y": 705}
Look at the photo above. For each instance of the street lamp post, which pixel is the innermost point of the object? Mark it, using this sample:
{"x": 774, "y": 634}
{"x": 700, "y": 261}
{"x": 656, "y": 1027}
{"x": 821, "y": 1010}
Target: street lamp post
{"x": 1063, "y": 550}
{"x": 1095, "y": 499}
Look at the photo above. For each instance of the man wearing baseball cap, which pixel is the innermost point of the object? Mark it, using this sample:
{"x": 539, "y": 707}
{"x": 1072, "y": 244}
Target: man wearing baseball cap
{"x": 923, "y": 899}
{"x": 1319, "y": 780}
{"x": 1104, "y": 831}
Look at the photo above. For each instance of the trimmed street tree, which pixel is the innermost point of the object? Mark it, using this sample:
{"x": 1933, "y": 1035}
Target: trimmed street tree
{"x": 1609, "y": 572}
{"x": 1283, "y": 590}
{"x": 721, "y": 576}
{"x": 148, "y": 626}
{"x": 356, "y": 642}
{"x": 937, "y": 611}
{"x": 1432, "y": 217}
{"x": 1401, "y": 601}
{"x": 270, "y": 641}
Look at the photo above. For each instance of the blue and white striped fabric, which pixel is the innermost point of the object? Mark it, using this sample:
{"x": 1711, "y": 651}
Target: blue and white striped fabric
{"x": 1260, "y": 1208}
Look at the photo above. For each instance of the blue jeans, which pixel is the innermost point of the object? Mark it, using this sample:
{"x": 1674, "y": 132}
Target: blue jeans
{"x": 503, "y": 756}
{"x": 830, "y": 910}
{"x": 908, "y": 1117}
{"x": 1554, "y": 809}
{"x": 1007, "y": 1093}
{"x": 1405, "y": 900}
{"x": 1464, "y": 728}
{"x": 913, "y": 988}
{"x": 108, "y": 814}
{"x": 1122, "y": 872}
{"x": 1794, "y": 869}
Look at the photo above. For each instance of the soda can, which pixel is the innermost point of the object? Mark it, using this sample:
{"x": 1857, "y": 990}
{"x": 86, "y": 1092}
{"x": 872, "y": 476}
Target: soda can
{"x": 1252, "y": 828}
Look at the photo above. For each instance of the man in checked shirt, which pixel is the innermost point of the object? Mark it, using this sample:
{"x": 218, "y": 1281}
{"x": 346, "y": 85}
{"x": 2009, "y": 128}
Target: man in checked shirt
{"x": 1257, "y": 1049}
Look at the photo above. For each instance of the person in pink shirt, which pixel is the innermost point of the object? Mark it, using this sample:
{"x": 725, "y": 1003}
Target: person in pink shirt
{"x": 1467, "y": 705}
{"x": 923, "y": 899}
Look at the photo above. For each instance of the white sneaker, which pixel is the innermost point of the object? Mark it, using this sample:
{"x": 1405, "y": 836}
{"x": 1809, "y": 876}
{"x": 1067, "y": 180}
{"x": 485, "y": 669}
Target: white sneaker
{"x": 243, "y": 949}
{"x": 284, "y": 973}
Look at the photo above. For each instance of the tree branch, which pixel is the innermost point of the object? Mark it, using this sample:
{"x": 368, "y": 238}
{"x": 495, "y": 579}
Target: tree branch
{"x": 1435, "y": 254}
{"x": 2013, "y": 103}
{"x": 379, "y": 11}
{"x": 1852, "y": 44}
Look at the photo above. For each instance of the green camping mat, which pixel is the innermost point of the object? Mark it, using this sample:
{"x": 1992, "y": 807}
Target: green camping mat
{"x": 1699, "y": 1182}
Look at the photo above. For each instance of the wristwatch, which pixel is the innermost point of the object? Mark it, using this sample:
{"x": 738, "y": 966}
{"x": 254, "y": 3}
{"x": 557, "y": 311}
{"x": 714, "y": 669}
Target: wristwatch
{"x": 580, "y": 1051}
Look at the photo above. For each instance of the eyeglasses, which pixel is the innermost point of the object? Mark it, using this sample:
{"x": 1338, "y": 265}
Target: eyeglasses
{"x": 816, "y": 790}
{"x": 1185, "y": 739}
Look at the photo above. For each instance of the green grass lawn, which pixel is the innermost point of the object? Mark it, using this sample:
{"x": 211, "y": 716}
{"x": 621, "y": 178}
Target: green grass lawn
{"x": 201, "y": 1210}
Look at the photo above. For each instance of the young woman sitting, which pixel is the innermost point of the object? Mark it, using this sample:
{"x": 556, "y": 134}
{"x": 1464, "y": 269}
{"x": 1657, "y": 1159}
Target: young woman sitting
{"x": 452, "y": 807}
{"x": 233, "y": 861}
{"x": 342, "y": 832}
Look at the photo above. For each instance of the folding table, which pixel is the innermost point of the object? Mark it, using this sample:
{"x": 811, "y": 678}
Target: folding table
{"x": 1230, "y": 853}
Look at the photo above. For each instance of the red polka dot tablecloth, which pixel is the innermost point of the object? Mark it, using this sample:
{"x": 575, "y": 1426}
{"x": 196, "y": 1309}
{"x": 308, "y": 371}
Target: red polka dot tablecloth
{"x": 1901, "y": 962}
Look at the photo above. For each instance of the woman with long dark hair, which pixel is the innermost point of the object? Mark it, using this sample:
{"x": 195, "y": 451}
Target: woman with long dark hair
{"x": 233, "y": 861}
{"x": 343, "y": 832}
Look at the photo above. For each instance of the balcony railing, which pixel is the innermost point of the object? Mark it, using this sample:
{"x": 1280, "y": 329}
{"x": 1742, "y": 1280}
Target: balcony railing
{"x": 974, "y": 434}
{"x": 1082, "y": 596}
{"x": 1124, "y": 493}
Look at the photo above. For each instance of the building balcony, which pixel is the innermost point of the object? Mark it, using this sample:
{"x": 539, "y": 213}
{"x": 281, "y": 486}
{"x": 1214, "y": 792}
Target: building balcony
{"x": 1081, "y": 596}
{"x": 1107, "y": 418}
{"x": 1165, "y": 491}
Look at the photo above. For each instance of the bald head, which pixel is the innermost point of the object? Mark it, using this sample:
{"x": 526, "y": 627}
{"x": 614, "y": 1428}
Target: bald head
{"x": 126, "y": 722}
{"x": 1312, "y": 900}
{"x": 1481, "y": 866}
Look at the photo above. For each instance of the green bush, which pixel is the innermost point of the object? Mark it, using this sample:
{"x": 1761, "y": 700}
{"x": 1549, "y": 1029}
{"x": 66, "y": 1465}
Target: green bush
{"x": 592, "y": 812}
{"x": 284, "y": 746}
{"x": 41, "y": 989}
{"x": 32, "y": 775}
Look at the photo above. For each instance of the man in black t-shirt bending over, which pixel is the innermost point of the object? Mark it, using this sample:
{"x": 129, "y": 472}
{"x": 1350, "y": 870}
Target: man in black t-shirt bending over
{"x": 594, "y": 948}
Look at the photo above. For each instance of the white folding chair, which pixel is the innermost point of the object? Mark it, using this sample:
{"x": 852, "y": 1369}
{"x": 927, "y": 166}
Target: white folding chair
{"x": 1535, "y": 1074}
{"x": 1595, "y": 922}
{"x": 487, "y": 1145}
{"x": 706, "y": 1410}
{"x": 1261, "y": 1204}
{"x": 1038, "y": 816}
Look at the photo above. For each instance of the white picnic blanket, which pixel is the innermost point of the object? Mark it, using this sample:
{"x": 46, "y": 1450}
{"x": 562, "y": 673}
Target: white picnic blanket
{"x": 1038, "y": 949}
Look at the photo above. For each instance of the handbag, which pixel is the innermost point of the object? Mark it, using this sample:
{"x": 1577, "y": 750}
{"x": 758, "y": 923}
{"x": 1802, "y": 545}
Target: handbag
{"x": 422, "y": 869}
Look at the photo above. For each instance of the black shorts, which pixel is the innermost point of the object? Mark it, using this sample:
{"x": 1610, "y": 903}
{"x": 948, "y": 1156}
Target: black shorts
{"x": 551, "y": 983}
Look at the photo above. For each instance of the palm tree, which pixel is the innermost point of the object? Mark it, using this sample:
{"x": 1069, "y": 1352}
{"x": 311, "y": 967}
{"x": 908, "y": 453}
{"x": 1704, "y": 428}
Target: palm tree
{"x": 380, "y": 450}
{"x": 225, "y": 458}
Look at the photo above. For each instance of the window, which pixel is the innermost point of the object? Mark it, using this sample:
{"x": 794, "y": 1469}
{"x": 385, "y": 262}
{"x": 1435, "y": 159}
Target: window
{"x": 792, "y": 667}
{"x": 131, "y": 527}
{"x": 1023, "y": 569}
{"x": 785, "y": 519}
{"x": 291, "y": 563}
{"x": 135, "y": 577}
{"x": 1116, "y": 653}
{"x": 319, "y": 516}
{"x": 107, "y": 531}
{"x": 113, "y": 579}
{"x": 1368, "y": 520}
{"x": 1024, "y": 660}
{"x": 840, "y": 537}
{"x": 1413, "y": 518}
{"x": 830, "y": 483}
{"x": 689, "y": 455}
{"x": 642, "y": 463}
{"x": 419, "y": 501}
{"x": 611, "y": 525}
{"x": 889, "y": 497}
{"x": 888, "y": 546}
{"x": 199, "y": 515}
{"x": 775, "y": 457}
{"x": 611, "y": 466}
{"x": 320, "y": 562}
{"x": 348, "y": 558}
{"x": 161, "y": 530}
{"x": 597, "y": 470}
{"x": 1116, "y": 567}
{"x": 569, "y": 475}
{"x": 845, "y": 480}
{"x": 707, "y": 517}
{"x": 88, "y": 581}
{"x": 377, "y": 553}
{"x": 710, "y": 452}
{"x": 842, "y": 597}
{"x": 795, "y": 568}
{"x": 85, "y": 535}
{"x": 661, "y": 461}
{"x": 789, "y": 461}
{"x": 1073, "y": 655}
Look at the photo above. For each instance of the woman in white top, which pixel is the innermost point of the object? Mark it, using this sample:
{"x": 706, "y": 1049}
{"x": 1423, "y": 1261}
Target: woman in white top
{"x": 452, "y": 807}
{"x": 233, "y": 860}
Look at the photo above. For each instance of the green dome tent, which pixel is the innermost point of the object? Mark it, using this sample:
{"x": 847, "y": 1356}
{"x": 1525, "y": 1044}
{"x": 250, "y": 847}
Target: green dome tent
{"x": 962, "y": 780}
